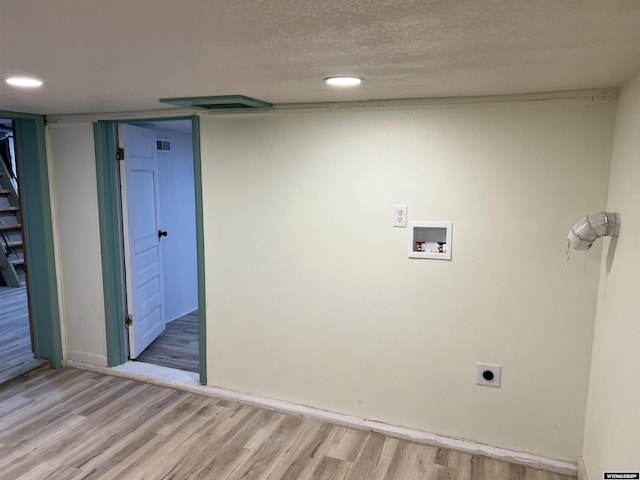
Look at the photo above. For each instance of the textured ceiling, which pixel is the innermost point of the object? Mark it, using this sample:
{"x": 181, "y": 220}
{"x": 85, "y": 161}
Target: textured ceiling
{"x": 119, "y": 55}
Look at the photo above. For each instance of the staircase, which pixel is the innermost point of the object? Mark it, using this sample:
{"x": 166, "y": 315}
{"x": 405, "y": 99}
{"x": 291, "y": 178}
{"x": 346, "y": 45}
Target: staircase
{"x": 12, "y": 262}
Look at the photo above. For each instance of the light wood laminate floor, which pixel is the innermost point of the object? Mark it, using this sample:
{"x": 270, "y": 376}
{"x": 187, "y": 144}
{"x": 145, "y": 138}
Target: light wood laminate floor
{"x": 15, "y": 340}
{"x": 177, "y": 345}
{"x": 72, "y": 424}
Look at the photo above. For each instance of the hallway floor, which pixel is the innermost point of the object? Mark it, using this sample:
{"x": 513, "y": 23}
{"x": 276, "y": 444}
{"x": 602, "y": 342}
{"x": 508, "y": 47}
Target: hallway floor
{"x": 16, "y": 356}
{"x": 177, "y": 346}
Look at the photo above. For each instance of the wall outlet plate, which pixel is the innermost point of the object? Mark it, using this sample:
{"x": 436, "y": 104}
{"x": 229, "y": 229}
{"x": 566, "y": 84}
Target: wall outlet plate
{"x": 488, "y": 374}
{"x": 400, "y": 215}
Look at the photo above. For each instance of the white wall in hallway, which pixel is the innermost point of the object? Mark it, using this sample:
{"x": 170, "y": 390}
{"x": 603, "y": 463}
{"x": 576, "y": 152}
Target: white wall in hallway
{"x": 178, "y": 218}
{"x": 311, "y": 297}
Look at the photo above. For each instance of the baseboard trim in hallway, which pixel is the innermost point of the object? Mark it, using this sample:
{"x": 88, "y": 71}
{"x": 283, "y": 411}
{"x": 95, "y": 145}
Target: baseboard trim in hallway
{"x": 188, "y": 381}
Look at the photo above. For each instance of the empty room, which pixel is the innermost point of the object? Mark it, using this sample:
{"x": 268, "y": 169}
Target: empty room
{"x": 320, "y": 240}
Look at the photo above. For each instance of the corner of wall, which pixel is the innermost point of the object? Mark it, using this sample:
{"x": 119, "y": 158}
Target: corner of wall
{"x": 612, "y": 419}
{"x": 56, "y": 240}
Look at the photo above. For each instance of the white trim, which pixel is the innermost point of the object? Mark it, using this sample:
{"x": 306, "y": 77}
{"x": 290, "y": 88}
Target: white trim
{"x": 592, "y": 95}
{"x": 582, "y": 470}
{"x": 178, "y": 379}
{"x": 75, "y": 358}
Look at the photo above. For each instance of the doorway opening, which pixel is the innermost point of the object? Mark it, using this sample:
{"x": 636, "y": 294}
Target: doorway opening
{"x": 158, "y": 211}
{"x": 16, "y": 338}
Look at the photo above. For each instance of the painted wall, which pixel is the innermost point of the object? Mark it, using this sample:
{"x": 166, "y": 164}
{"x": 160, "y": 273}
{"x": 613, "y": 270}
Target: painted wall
{"x": 73, "y": 171}
{"x": 178, "y": 218}
{"x": 311, "y": 297}
{"x": 612, "y": 429}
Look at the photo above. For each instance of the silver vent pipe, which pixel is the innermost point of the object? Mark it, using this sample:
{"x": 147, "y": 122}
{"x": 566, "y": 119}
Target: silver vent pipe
{"x": 590, "y": 228}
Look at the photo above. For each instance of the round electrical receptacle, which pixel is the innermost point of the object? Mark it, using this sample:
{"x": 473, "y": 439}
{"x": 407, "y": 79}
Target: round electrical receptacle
{"x": 488, "y": 375}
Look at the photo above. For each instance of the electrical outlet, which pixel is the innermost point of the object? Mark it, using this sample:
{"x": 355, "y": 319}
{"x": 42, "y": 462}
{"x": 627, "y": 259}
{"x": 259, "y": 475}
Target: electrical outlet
{"x": 399, "y": 215}
{"x": 488, "y": 374}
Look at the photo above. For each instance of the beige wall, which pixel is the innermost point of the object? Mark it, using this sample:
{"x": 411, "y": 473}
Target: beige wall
{"x": 73, "y": 166}
{"x": 311, "y": 297}
{"x": 612, "y": 431}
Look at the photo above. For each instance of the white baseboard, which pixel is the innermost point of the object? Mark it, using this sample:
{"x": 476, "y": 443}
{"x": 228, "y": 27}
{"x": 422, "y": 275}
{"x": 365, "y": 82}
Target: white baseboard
{"x": 74, "y": 356}
{"x": 184, "y": 381}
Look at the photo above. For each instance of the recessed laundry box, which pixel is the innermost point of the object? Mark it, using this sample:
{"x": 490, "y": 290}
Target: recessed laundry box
{"x": 430, "y": 240}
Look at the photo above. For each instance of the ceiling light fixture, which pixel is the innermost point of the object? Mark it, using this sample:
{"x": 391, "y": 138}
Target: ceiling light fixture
{"x": 343, "y": 81}
{"x": 24, "y": 82}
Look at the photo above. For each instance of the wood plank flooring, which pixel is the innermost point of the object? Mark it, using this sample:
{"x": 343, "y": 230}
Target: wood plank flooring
{"x": 15, "y": 340}
{"x": 177, "y": 346}
{"x": 71, "y": 424}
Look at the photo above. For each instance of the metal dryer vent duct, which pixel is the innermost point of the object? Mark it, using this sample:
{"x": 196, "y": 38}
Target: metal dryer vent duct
{"x": 590, "y": 228}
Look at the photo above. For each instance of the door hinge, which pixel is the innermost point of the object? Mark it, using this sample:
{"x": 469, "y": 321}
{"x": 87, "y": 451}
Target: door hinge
{"x": 128, "y": 319}
{"x": 119, "y": 153}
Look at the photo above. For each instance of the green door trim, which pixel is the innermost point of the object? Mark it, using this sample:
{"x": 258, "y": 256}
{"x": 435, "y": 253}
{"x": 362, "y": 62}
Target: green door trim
{"x": 202, "y": 298}
{"x": 109, "y": 218}
{"x": 35, "y": 199}
{"x": 111, "y": 255}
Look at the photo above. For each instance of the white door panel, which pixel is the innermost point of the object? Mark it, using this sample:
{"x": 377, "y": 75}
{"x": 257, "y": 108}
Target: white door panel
{"x": 140, "y": 209}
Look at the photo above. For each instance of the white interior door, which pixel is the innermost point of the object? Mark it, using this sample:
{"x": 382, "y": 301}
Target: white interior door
{"x": 141, "y": 215}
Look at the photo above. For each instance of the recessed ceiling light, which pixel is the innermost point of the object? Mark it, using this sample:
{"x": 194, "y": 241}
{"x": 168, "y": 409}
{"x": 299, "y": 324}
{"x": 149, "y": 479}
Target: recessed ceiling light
{"x": 24, "y": 82}
{"x": 343, "y": 81}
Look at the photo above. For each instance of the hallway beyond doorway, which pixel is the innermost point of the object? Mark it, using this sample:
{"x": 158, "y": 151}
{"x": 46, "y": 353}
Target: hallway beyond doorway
{"x": 177, "y": 345}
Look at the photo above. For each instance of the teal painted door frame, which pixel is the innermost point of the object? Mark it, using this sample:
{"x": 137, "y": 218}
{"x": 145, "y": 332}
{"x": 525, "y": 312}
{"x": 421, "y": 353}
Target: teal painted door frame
{"x": 33, "y": 177}
{"x": 111, "y": 237}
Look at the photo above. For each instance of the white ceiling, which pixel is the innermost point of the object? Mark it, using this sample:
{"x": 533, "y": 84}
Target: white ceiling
{"x": 119, "y": 55}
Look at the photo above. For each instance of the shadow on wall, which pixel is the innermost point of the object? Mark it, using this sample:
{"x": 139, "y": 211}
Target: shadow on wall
{"x": 611, "y": 253}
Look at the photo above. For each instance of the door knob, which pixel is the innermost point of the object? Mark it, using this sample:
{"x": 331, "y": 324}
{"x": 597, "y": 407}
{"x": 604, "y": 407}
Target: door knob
{"x": 161, "y": 233}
